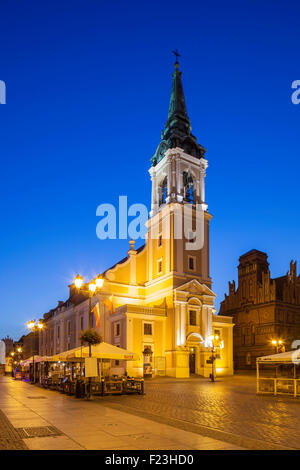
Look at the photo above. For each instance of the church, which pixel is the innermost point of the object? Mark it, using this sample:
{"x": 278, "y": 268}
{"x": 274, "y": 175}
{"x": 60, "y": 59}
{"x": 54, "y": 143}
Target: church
{"x": 158, "y": 301}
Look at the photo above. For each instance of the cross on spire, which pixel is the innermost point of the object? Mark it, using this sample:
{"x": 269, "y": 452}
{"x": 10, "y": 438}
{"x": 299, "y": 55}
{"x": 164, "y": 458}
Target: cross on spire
{"x": 176, "y": 53}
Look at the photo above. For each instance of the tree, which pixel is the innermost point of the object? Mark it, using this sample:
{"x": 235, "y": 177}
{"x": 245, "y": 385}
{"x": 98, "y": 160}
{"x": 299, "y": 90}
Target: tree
{"x": 90, "y": 337}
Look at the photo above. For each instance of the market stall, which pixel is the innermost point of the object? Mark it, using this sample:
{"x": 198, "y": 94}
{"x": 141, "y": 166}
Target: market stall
{"x": 74, "y": 370}
{"x": 27, "y": 367}
{"x": 279, "y": 374}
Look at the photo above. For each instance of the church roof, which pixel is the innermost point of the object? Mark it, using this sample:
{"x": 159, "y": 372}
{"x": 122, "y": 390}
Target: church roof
{"x": 253, "y": 252}
{"x": 177, "y": 132}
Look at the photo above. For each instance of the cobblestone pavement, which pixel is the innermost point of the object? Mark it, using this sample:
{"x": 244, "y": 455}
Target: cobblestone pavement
{"x": 9, "y": 438}
{"x": 228, "y": 409}
{"x": 38, "y": 419}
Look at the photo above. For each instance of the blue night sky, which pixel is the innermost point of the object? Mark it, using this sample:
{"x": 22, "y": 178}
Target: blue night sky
{"x": 88, "y": 87}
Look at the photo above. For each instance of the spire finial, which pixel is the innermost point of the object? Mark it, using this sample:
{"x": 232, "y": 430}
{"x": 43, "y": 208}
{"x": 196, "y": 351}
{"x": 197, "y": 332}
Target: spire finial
{"x": 176, "y": 53}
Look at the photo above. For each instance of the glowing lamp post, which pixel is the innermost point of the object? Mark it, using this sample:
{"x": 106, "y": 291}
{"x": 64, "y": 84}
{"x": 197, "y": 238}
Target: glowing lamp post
{"x": 92, "y": 289}
{"x": 216, "y": 342}
{"x": 34, "y": 327}
{"x": 279, "y": 347}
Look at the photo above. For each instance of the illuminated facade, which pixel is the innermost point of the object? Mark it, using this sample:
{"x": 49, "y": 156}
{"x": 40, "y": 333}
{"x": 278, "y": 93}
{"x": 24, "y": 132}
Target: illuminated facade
{"x": 158, "y": 301}
{"x": 264, "y": 310}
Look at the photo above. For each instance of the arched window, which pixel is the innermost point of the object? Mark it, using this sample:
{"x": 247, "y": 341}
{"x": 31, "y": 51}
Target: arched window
{"x": 163, "y": 191}
{"x": 188, "y": 187}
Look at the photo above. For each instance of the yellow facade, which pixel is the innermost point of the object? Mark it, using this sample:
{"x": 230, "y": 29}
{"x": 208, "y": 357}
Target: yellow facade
{"x": 153, "y": 304}
{"x": 157, "y": 302}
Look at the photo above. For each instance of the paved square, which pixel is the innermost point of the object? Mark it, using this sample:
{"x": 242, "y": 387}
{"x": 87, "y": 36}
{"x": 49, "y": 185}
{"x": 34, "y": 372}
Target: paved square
{"x": 173, "y": 414}
{"x": 86, "y": 424}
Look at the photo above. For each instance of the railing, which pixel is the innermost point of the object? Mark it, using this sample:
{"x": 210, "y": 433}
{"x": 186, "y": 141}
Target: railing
{"x": 278, "y": 386}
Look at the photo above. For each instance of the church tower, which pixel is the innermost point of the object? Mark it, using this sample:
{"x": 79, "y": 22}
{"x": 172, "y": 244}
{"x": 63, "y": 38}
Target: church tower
{"x": 178, "y": 248}
{"x": 179, "y": 212}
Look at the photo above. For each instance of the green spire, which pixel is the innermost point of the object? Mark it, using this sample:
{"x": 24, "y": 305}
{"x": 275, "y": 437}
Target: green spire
{"x": 177, "y": 132}
{"x": 177, "y": 106}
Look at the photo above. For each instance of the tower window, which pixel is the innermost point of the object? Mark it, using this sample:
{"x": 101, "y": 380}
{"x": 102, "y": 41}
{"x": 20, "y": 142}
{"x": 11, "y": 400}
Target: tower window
{"x": 163, "y": 192}
{"x": 159, "y": 242}
{"x": 159, "y": 266}
{"x": 193, "y": 318}
{"x": 188, "y": 187}
{"x": 192, "y": 263}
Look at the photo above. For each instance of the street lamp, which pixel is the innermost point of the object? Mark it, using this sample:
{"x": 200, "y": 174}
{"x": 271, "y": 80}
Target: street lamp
{"x": 78, "y": 281}
{"x": 34, "y": 327}
{"x": 278, "y": 343}
{"x": 16, "y": 357}
{"x": 215, "y": 343}
{"x": 91, "y": 290}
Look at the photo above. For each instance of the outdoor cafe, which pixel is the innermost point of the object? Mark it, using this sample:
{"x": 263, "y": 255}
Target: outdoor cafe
{"x": 79, "y": 373}
{"x": 279, "y": 374}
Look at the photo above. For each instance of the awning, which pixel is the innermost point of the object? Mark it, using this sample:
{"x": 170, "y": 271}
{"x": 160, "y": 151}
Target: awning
{"x": 29, "y": 360}
{"x": 289, "y": 357}
{"x": 101, "y": 351}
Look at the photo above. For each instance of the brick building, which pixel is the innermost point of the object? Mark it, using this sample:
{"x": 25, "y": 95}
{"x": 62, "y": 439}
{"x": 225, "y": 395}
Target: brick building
{"x": 263, "y": 309}
{"x": 9, "y": 345}
{"x": 29, "y": 344}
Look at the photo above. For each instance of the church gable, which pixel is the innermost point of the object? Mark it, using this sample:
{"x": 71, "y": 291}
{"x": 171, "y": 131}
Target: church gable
{"x": 193, "y": 289}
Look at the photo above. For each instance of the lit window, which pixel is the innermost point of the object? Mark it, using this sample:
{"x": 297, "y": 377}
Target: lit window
{"x": 148, "y": 329}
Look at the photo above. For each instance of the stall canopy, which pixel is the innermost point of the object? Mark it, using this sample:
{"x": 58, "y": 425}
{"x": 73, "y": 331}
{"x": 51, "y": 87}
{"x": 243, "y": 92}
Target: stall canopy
{"x": 289, "y": 357}
{"x": 28, "y": 361}
{"x": 101, "y": 351}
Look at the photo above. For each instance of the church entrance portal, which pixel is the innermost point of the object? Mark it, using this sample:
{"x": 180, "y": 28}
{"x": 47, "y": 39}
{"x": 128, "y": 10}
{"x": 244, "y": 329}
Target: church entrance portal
{"x": 192, "y": 360}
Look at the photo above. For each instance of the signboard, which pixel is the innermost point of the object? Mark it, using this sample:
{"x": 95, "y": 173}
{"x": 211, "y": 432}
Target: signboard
{"x": 91, "y": 367}
{"x": 2, "y": 352}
